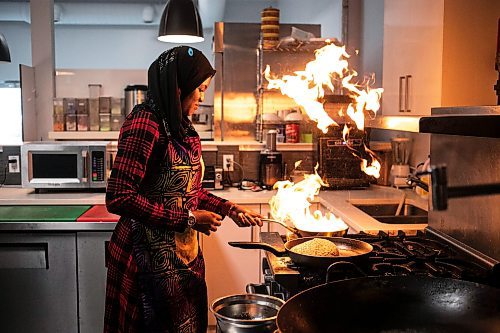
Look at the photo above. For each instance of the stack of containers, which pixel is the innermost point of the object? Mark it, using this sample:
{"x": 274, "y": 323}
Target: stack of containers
{"x": 270, "y": 27}
{"x": 69, "y": 105}
{"x": 105, "y": 113}
{"x": 58, "y": 111}
{"x": 82, "y": 114}
{"x": 117, "y": 117}
{"x": 94, "y": 94}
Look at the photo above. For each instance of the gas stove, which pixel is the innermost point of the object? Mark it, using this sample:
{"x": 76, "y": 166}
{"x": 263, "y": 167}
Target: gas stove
{"x": 427, "y": 252}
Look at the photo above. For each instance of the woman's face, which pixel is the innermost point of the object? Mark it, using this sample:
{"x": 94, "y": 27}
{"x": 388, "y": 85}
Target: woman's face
{"x": 192, "y": 101}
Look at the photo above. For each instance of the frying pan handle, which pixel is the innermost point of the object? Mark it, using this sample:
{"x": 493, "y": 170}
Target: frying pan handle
{"x": 257, "y": 246}
{"x": 283, "y": 224}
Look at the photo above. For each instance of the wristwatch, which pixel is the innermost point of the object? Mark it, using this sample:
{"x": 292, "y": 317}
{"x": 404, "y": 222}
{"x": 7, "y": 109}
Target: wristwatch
{"x": 191, "y": 219}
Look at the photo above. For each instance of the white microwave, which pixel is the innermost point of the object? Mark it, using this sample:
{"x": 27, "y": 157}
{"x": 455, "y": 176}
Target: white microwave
{"x": 66, "y": 164}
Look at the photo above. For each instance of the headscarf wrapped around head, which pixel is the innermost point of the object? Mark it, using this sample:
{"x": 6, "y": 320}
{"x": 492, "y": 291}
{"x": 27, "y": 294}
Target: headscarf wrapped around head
{"x": 182, "y": 68}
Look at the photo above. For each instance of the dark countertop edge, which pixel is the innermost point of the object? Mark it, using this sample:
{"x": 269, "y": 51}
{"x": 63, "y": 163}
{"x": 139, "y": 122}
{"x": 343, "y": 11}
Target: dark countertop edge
{"x": 476, "y": 125}
{"x": 464, "y": 125}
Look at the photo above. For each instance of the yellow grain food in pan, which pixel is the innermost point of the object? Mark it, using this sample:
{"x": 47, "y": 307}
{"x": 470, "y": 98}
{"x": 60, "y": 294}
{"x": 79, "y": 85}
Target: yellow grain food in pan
{"x": 318, "y": 247}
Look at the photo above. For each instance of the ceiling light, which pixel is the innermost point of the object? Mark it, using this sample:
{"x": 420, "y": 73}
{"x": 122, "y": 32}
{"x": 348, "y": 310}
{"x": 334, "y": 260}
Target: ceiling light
{"x": 4, "y": 49}
{"x": 180, "y": 23}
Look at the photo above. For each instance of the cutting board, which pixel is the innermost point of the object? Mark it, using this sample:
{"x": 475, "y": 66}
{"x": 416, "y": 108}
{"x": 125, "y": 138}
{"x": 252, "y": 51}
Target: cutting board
{"x": 41, "y": 213}
{"x": 98, "y": 213}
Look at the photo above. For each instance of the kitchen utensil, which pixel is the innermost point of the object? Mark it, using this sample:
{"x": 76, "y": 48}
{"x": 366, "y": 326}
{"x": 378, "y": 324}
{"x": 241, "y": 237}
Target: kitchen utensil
{"x": 350, "y": 249}
{"x": 393, "y": 304}
{"x": 307, "y": 233}
{"x": 252, "y": 313}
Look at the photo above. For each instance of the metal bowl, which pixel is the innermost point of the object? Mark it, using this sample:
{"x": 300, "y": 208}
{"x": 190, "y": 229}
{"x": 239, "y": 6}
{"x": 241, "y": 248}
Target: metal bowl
{"x": 246, "y": 313}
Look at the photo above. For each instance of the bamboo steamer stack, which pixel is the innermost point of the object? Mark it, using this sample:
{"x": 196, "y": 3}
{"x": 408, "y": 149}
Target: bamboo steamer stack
{"x": 270, "y": 27}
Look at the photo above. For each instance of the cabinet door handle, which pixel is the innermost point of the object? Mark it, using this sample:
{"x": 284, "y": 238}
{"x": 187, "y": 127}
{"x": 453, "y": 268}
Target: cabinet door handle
{"x": 407, "y": 94}
{"x": 400, "y": 96}
{"x": 85, "y": 166}
{"x": 106, "y": 253}
{"x": 21, "y": 255}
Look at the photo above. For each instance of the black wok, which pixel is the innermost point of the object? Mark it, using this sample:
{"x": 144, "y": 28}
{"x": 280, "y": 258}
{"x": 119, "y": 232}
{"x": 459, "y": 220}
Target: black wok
{"x": 417, "y": 304}
{"x": 350, "y": 249}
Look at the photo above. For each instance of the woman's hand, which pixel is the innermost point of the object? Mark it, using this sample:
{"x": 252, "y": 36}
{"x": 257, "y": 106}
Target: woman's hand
{"x": 244, "y": 217}
{"x": 206, "y": 221}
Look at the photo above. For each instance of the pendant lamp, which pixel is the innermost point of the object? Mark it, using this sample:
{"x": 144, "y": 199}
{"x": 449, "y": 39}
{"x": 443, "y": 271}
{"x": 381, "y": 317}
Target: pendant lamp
{"x": 4, "y": 49}
{"x": 180, "y": 23}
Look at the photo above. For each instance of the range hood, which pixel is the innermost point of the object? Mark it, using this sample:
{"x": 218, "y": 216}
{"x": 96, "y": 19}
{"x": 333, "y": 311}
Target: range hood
{"x": 478, "y": 121}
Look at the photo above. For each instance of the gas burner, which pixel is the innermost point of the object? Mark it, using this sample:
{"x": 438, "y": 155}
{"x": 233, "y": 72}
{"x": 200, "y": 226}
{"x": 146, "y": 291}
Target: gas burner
{"x": 420, "y": 254}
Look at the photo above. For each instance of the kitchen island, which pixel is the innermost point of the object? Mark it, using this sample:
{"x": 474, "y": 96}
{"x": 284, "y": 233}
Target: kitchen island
{"x": 55, "y": 271}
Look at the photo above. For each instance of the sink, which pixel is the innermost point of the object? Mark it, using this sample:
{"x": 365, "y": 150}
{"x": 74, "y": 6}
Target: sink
{"x": 386, "y": 213}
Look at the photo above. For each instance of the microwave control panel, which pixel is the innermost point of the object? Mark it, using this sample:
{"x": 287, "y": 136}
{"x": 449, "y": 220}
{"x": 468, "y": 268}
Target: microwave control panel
{"x": 98, "y": 166}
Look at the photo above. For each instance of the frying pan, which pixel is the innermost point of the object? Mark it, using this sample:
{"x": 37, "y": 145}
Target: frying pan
{"x": 308, "y": 233}
{"x": 350, "y": 249}
{"x": 417, "y": 304}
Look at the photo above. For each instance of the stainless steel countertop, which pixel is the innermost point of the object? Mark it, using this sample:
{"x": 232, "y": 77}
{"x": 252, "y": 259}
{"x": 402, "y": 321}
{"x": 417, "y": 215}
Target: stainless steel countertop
{"x": 338, "y": 202}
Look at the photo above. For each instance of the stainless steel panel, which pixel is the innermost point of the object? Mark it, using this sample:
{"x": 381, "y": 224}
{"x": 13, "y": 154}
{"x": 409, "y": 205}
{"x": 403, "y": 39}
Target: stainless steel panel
{"x": 235, "y": 104}
{"x": 91, "y": 280}
{"x": 40, "y": 300}
{"x": 474, "y": 221}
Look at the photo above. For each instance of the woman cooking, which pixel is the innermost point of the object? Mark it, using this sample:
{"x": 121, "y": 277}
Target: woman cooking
{"x": 156, "y": 271}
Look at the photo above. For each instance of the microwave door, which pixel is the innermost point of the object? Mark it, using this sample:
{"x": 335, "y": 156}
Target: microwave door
{"x": 58, "y": 169}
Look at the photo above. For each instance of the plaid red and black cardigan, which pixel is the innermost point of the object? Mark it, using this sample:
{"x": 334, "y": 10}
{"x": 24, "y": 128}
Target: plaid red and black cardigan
{"x": 143, "y": 146}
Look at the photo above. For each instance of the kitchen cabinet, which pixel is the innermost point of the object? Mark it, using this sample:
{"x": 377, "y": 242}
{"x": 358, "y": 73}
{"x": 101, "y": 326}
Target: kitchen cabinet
{"x": 438, "y": 53}
{"x": 229, "y": 269}
{"x": 412, "y": 56}
{"x": 91, "y": 250}
{"x": 38, "y": 282}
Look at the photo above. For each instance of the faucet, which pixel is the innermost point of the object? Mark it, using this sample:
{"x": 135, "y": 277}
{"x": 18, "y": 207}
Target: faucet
{"x": 415, "y": 181}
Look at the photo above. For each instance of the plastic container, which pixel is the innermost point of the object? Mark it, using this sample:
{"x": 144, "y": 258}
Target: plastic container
{"x": 104, "y": 105}
{"x": 105, "y": 122}
{"x": 58, "y": 115}
{"x": 82, "y": 122}
{"x": 117, "y": 106}
{"x": 94, "y": 114}
{"x": 70, "y": 122}
{"x": 116, "y": 122}
{"x": 69, "y": 105}
{"x": 94, "y": 95}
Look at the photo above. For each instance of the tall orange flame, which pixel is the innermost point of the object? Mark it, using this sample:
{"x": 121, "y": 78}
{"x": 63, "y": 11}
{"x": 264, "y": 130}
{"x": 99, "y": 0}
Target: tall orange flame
{"x": 292, "y": 203}
{"x": 306, "y": 87}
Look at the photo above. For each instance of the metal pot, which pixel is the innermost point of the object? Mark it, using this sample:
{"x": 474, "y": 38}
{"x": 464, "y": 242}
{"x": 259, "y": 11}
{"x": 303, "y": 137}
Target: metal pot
{"x": 134, "y": 94}
{"x": 246, "y": 313}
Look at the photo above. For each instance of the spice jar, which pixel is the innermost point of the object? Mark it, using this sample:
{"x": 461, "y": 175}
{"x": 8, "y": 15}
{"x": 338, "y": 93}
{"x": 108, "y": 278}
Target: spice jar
{"x": 292, "y": 127}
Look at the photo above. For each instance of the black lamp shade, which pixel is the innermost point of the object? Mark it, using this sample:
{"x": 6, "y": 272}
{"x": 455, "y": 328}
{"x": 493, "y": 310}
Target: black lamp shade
{"x": 4, "y": 49}
{"x": 180, "y": 23}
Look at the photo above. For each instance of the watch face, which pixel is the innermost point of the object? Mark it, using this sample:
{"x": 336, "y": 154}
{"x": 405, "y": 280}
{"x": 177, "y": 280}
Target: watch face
{"x": 191, "y": 220}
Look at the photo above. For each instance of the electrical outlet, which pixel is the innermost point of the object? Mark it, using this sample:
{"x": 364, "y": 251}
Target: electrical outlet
{"x": 13, "y": 161}
{"x": 228, "y": 162}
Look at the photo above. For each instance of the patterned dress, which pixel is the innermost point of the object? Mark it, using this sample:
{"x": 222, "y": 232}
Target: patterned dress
{"x": 156, "y": 273}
